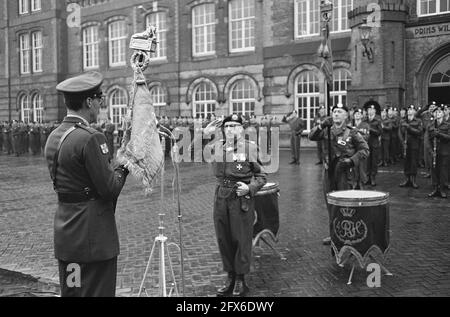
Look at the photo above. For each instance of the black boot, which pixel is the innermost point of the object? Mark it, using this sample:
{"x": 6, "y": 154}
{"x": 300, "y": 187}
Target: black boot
{"x": 406, "y": 183}
{"x": 240, "y": 288}
{"x": 413, "y": 182}
{"x": 435, "y": 192}
{"x": 372, "y": 181}
{"x": 442, "y": 192}
{"x": 227, "y": 289}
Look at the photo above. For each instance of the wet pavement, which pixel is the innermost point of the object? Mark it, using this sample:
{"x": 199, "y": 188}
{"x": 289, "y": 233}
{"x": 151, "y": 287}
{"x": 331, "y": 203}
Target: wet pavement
{"x": 418, "y": 257}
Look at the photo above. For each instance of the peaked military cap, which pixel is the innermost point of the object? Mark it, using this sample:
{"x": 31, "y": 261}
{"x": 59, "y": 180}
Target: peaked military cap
{"x": 233, "y": 118}
{"x": 340, "y": 106}
{"x": 85, "y": 83}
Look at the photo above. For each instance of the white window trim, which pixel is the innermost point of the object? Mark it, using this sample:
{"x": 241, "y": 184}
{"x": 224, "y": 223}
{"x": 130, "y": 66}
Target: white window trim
{"x": 244, "y": 100}
{"x": 24, "y": 54}
{"x": 117, "y": 106}
{"x": 37, "y": 106}
{"x": 309, "y": 35}
{"x": 118, "y": 39}
{"x": 25, "y": 99}
{"x": 340, "y": 29}
{"x": 202, "y": 102}
{"x": 204, "y": 27}
{"x": 438, "y": 9}
{"x": 162, "y": 92}
{"x": 94, "y": 44}
{"x": 23, "y": 7}
{"x": 308, "y": 95}
{"x": 230, "y": 41}
{"x": 36, "y": 8}
{"x": 37, "y": 50}
{"x": 156, "y": 56}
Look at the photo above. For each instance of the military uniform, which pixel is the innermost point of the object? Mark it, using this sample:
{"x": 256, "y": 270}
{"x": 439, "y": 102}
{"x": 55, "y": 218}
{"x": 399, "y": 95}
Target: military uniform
{"x": 7, "y": 138}
{"x": 87, "y": 187}
{"x": 234, "y": 216}
{"x": 411, "y": 131}
{"x": 360, "y": 171}
{"x": 297, "y": 126}
{"x": 109, "y": 134}
{"x": 425, "y": 115}
{"x": 16, "y": 138}
{"x": 375, "y": 131}
{"x": 386, "y": 126}
{"x": 439, "y": 137}
{"x": 35, "y": 142}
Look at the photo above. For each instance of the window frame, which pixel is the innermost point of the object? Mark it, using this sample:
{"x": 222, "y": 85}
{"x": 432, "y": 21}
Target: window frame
{"x": 37, "y": 107}
{"x": 241, "y": 39}
{"x": 204, "y": 30}
{"x": 310, "y": 96}
{"x": 122, "y": 43}
{"x": 121, "y": 107}
{"x": 204, "y": 103}
{"x": 308, "y": 23}
{"x": 94, "y": 45}
{"x": 24, "y": 7}
{"x": 36, "y": 51}
{"x": 161, "y": 33}
{"x": 25, "y": 99}
{"x": 34, "y": 7}
{"x": 438, "y": 8}
{"x": 339, "y": 17}
{"x": 337, "y": 78}
{"x": 243, "y": 101}
{"x": 24, "y": 54}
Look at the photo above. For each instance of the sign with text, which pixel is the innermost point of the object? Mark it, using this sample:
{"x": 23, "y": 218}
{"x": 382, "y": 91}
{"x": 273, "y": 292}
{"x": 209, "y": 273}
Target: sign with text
{"x": 430, "y": 30}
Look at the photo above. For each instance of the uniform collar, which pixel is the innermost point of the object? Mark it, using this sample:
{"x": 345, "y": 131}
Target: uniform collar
{"x": 73, "y": 118}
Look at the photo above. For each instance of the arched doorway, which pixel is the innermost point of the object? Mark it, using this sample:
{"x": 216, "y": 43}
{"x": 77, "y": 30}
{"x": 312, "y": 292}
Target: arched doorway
{"x": 439, "y": 81}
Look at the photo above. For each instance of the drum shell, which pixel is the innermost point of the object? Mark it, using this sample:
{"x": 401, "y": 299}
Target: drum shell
{"x": 359, "y": 223}
{"x": 267, "y": 212}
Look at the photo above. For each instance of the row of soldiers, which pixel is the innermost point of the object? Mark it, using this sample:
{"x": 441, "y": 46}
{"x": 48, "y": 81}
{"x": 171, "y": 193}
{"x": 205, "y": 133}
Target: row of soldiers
{"x": 413, "y": 134}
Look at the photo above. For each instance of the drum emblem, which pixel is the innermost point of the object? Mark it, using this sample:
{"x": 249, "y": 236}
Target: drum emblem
{"x": 349, "y": 231}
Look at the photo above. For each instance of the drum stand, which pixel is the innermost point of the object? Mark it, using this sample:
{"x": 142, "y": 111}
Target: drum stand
{"x": 261, "y": 237}
{"x": 385, "y": 270}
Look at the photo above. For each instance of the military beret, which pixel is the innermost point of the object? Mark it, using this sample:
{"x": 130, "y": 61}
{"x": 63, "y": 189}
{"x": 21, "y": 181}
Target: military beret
{"x": 412, "y": 107}
{"x": 233, "y": 118}
{"x": 340, "y": 106}
{"x": 82, "y": 84}
{"x": 358, "y": 110}
{"x": 439, "y": 107}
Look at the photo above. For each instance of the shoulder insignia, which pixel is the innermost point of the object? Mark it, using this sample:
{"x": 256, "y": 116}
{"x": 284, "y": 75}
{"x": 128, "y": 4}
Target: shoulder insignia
{"x": 104, "y": 148}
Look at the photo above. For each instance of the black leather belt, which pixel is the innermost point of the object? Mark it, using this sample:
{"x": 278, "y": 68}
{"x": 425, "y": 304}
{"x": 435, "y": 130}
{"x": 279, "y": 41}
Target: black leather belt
{"x": 230, "y": 183}
{"x": 77, "y": 197}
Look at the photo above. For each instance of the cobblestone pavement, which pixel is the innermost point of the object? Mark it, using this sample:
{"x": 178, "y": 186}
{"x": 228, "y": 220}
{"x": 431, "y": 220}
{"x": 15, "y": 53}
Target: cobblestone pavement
{"x": 419, "y": 254}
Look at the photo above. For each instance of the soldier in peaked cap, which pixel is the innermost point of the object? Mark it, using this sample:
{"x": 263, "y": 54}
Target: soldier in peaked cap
{"x": 85, "y": 234}
{"x": 239, "y": 176}
{"x": 375, "y": 131}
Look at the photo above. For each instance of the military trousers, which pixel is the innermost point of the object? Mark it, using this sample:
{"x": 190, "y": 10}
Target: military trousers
{"x": 295, "y": 146}
{"x": 372, "y": 161}
{"x": 234, "y": 229}
{"x": 411, "y": 161}
{"x": 439, "y": 174}
{"x": 96, "y": 279}
{"x": 386, "y": 154}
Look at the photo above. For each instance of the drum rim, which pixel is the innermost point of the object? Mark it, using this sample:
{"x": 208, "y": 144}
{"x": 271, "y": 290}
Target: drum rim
{"x": 385, "y": 196}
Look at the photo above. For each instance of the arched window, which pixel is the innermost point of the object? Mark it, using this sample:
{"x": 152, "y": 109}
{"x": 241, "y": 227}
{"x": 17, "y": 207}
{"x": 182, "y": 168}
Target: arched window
{"x": 242, "y": 98}
{"x": 118, "y": 106}
{"x": 38, "y": 108}
{"x": 159, "y": 20}
{"x": 158, "y": 98}
{"x": 341, "y": 81}
{"x": 204, "y": 100}
{"x": 307, "y": 95}
{"x": 441, "y": 73}
{"x": 25, "y": 109}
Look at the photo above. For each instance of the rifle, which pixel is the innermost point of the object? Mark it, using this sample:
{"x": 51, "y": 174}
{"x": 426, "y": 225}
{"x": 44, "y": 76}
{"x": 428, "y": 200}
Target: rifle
{"x": 434, "y": 145}
{"x": 405, "y": 142}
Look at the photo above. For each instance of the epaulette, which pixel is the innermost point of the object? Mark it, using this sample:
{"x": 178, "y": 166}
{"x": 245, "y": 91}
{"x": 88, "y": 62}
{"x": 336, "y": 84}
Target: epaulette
{"x": 85, "y": 128}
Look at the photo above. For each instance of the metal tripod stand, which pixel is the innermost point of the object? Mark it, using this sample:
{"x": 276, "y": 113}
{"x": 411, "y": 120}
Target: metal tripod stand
{"x": 161, "y": 241}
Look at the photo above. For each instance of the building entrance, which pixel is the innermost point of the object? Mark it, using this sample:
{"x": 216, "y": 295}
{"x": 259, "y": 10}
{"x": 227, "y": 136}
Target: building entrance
{"x": 439, "y": 83}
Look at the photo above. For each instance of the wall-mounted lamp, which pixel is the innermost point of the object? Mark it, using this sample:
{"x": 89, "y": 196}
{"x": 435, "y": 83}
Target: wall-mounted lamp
{"x": 365, "y": 32}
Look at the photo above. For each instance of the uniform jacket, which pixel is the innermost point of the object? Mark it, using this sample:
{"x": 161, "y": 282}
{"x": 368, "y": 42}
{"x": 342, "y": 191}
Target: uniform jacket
{"x": 84, "y": 232}
{"x": 442, "y": 141}
{"x": 239, "y": 164}
{"x": 297, "y": 125}
{"x": 363, "y": 129}
{"x": 375, "y": 131}
{"x": 346, "y": 142}
{"x": 387, "y": 127}
{"x": 414, "y": 132}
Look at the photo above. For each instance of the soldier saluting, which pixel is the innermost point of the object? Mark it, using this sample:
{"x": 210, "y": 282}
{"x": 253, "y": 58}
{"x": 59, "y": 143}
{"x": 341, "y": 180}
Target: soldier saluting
{"x": 239, "y": 177}
{"x": 87, "y": 187}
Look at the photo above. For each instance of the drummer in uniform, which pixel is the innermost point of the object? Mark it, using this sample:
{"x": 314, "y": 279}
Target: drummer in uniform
{"x": 239, "y": 177}
{"x": 348, "y": 148}
{"x": 85, "y": 233}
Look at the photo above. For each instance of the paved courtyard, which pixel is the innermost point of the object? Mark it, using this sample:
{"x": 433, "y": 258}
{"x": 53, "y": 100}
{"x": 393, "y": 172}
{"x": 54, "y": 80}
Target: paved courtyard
{"x": 418, "y": 258}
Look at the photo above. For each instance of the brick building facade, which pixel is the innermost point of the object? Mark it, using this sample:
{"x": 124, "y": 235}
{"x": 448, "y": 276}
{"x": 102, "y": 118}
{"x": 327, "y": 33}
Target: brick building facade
{"x": 252, "y": 56}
